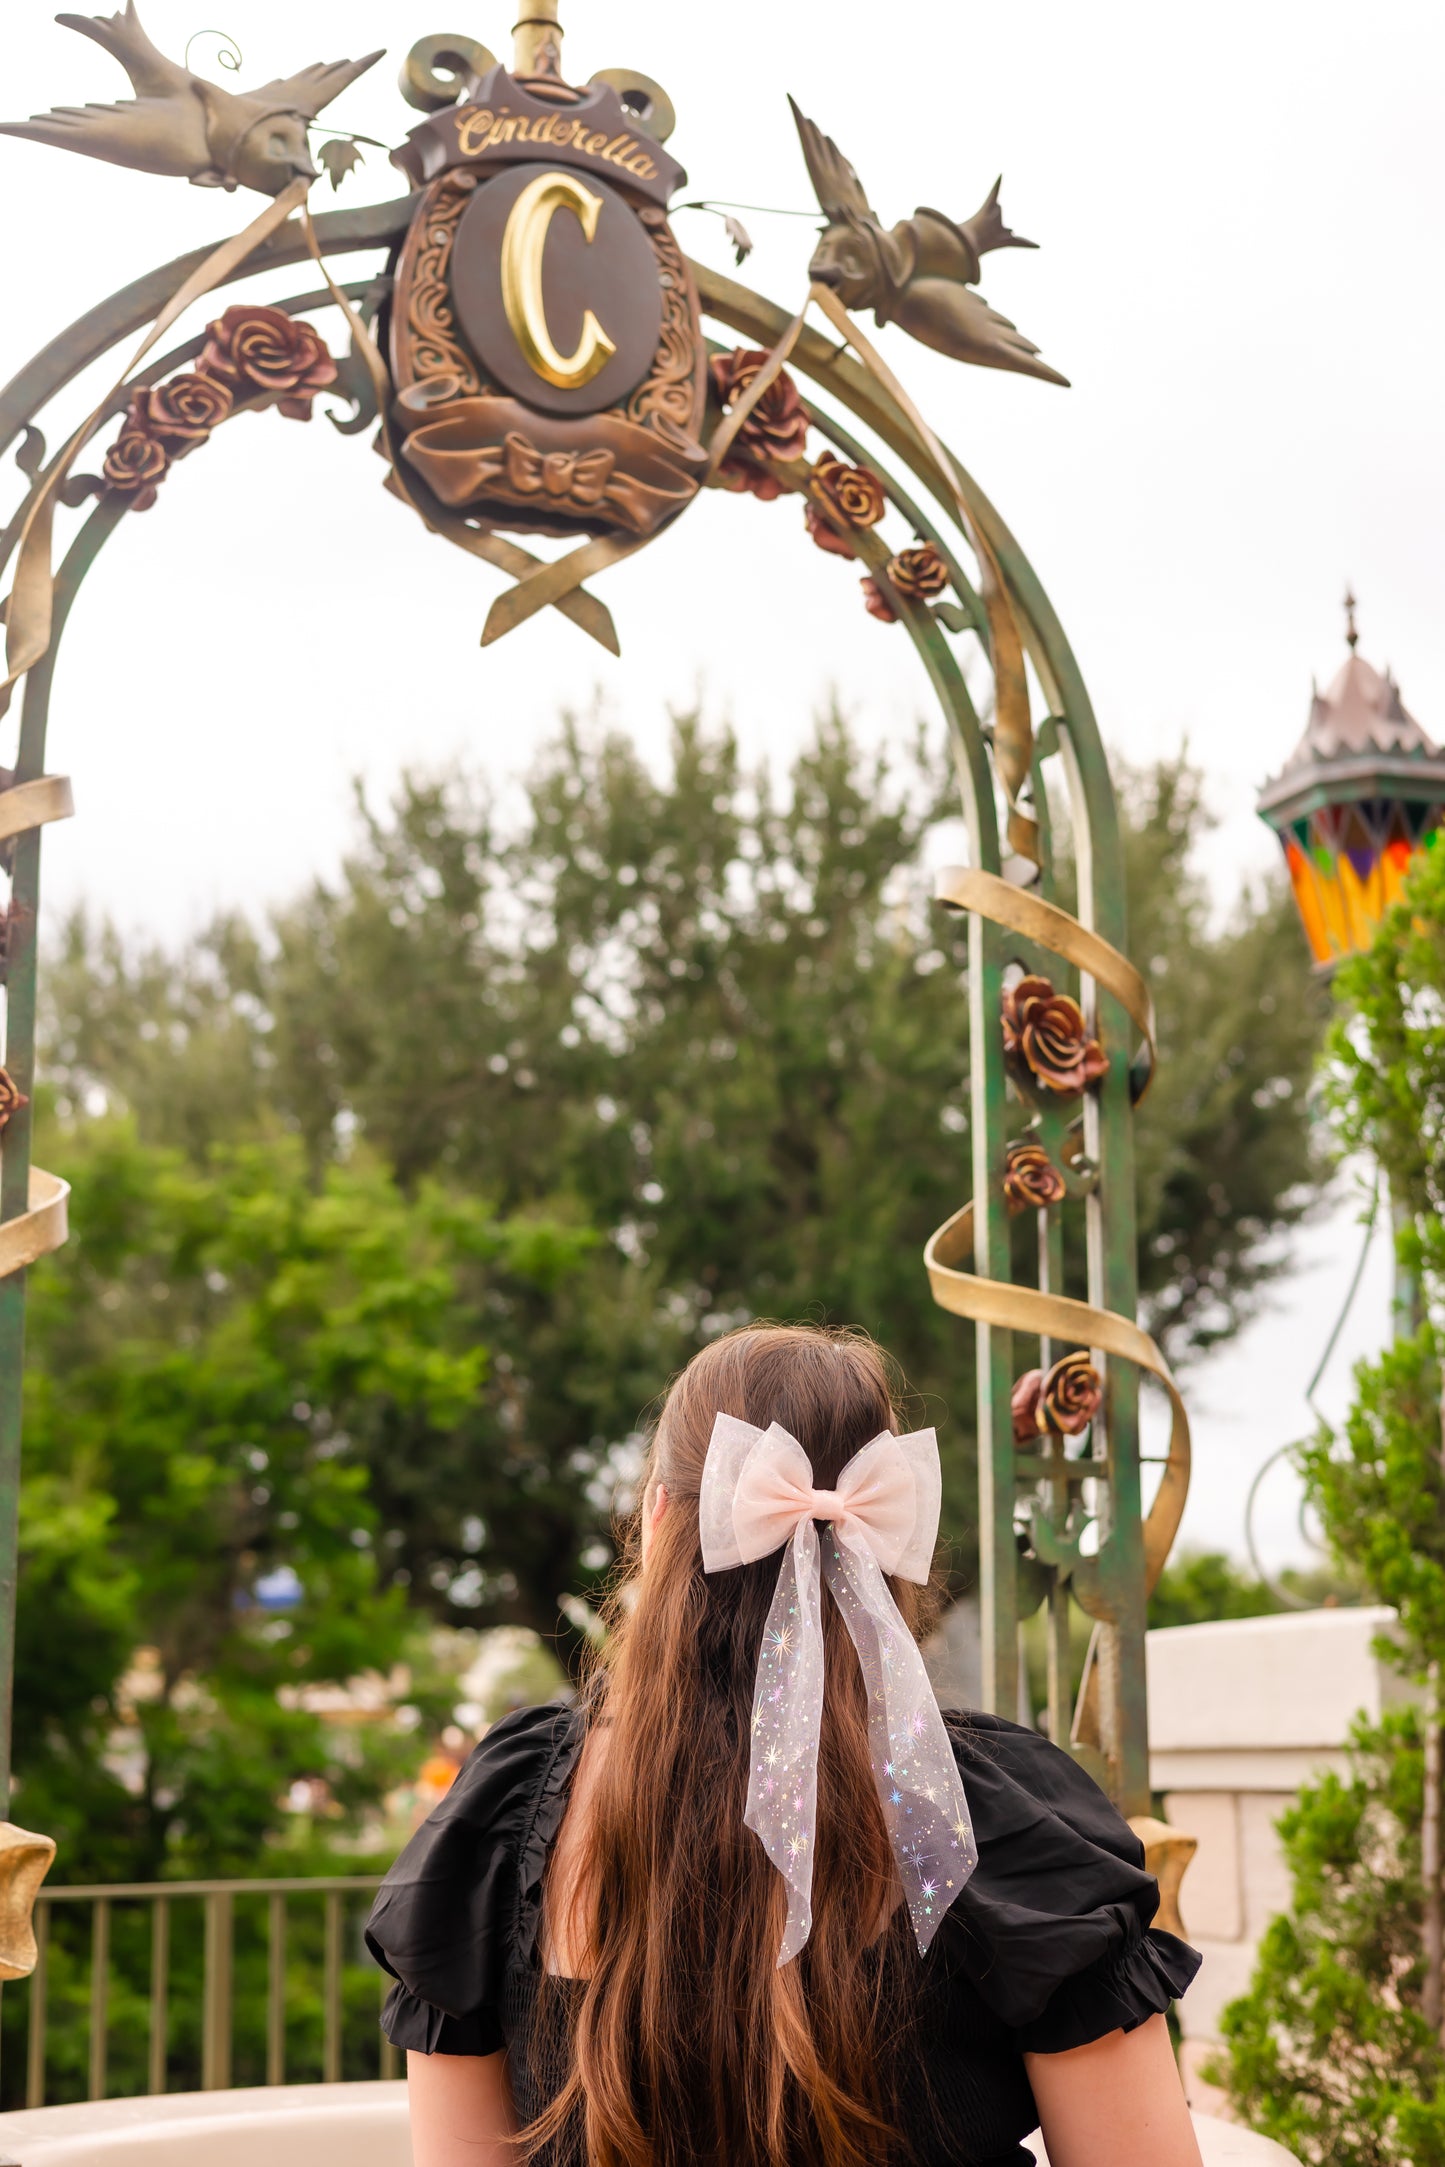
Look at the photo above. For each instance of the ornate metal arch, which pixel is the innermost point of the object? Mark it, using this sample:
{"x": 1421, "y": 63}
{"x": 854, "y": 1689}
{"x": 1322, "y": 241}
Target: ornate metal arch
{"x": 1056, "y": 1514}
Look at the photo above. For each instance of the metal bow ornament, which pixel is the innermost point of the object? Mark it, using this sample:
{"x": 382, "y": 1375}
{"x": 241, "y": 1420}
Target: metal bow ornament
{"x": 758, "y": 1495}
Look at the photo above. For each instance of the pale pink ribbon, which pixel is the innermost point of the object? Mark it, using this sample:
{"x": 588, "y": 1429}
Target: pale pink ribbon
{"x": 757, "y": 1496}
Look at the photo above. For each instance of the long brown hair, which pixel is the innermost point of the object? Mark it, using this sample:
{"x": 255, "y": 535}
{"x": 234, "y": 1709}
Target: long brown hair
{"x": 691, "y": 2044}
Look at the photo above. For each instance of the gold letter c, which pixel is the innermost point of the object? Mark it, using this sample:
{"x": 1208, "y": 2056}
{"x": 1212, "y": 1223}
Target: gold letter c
{"x": 522, "y": 244}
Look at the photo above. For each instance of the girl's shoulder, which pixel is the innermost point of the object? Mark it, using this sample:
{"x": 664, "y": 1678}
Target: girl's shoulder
{"x": 447, "y": 1916}
{"x": 1055, "y": 1925}
{"x": 1014, "y": 1769}
{"x": 512, "y": 1760}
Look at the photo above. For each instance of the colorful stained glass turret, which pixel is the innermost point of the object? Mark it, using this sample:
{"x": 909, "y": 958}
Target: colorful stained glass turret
{"x": 1360, "y": 795}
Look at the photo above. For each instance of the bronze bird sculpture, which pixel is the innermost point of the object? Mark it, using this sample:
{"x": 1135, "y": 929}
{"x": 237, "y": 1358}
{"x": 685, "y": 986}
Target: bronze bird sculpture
{"x": 918, "y": 275}
{"x": 179, "y": 123}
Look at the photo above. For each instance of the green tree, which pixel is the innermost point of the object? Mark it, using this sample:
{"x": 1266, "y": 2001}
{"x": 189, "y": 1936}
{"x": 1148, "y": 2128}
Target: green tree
{"x": 229, "y": 1365}
{"x": 718, "y": 1020}
{"x": 1337, "y": 2046}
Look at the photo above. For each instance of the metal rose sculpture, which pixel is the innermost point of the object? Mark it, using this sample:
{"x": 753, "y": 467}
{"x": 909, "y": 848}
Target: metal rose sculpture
{"x": 136, "y": 465}
{"x": 915, "y": 575}
{"x": 841, "y": 500}
{"x": 1045, "y": 1031}
{"x": 1072, "y": 1394}
{"x": 183, "y": 411}
{"x": 253, "y": 357}
{"x": 918, "y": 574}
{"x": 268, "y": 356}
{"x": 1031, "y": 1181}
{"x": 1065, "y": 1401}
{"x": 776, "y": 429}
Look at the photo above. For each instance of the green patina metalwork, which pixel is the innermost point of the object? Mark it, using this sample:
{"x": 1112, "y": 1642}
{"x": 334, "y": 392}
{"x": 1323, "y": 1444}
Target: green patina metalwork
{"x": 1111, "y": 1584}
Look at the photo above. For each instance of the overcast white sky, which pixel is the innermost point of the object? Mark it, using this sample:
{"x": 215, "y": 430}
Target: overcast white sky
{"x": 1240, "y": 271}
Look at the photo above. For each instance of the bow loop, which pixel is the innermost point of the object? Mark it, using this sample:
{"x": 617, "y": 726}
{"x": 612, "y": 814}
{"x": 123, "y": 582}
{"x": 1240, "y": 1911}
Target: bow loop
{"x": 758, "y": 1496}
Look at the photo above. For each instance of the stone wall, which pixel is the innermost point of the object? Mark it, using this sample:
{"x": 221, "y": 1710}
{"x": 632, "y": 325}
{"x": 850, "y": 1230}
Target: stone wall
{"x": 1240, "y": 1715}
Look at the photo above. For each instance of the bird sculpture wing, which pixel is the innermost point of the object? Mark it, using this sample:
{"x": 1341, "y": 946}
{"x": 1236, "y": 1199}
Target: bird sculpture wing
{"x": 151, "y": 74}
{"x": 988, "y": 340}
{"x": 153, "y": 135}
{"x": 835, "y": 184}
{"x": 161, "y": 130}
{"x": 311, "y": 88}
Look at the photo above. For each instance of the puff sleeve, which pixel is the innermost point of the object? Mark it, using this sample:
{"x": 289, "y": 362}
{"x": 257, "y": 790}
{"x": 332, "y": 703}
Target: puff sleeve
{"x": 1053, "y": 1929}
{"x": 443, "y": 1917}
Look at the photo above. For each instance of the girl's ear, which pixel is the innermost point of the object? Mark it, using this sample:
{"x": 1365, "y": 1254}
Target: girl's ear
{"x": 654, "y": 1505}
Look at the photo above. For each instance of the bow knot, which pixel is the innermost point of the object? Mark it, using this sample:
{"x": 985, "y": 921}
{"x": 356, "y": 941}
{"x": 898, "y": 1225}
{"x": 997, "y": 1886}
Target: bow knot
{"x": 827, "y": 1505}
{"x": 758, "y": 1496}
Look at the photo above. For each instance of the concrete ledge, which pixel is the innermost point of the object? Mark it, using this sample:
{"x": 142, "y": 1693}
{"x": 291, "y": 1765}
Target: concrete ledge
{"x": 1221, "y": 2144}
{"x": 1284, "y": 1686}
{"x": 289, "y": 2125}
{"x": 1232, "y": 1768}
{"x": 299, "y": 2125}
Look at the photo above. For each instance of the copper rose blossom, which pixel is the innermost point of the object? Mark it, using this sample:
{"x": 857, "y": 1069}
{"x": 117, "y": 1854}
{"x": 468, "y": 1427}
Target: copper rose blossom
{"x": 876, "y": 602}
{"x": 1030, "y": 1177}
{"x": 918, "y": 573}
{"x": 777, "y": 427}
{"x": 1066, "y": 1401}
{"x": 265, "y": 351}
{"x": 183, "y": 412}
{"x": 853, "y": 496}
{"x": 745, "y": 476}
{"x": 824, "y": 533}
{"x": 1024, "y": 1407}
{"x": 1071, "y": 1394}
{"x": 135, "y": 466}
{"x": 12, "y": 1098}
{"x": 1045, "y": 1030}
{"x": 855, "y": 493}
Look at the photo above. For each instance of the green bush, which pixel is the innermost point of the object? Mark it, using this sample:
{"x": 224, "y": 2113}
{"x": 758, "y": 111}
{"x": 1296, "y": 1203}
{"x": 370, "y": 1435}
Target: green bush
{"x": 1328, "y": 2052}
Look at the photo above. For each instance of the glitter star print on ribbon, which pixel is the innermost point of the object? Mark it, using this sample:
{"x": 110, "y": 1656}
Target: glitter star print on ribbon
{"x": 757, "y": 1495}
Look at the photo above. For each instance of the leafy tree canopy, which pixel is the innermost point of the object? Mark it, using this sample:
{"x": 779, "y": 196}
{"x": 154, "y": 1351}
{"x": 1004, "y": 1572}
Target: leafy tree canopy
{"x": 231, "y": 1368}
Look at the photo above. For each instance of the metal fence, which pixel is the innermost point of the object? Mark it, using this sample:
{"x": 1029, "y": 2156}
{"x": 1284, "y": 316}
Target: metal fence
{"x": 270, "y": 1909}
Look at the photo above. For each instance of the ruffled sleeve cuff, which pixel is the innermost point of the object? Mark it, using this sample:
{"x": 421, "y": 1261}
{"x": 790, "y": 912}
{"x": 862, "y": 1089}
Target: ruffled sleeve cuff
{"x": 1117, "y": 1994}
{"x": 418, "y": 2027}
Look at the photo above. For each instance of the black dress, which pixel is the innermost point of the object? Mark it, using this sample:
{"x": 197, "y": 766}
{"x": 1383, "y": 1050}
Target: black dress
{"x": 1049, "y": 1945}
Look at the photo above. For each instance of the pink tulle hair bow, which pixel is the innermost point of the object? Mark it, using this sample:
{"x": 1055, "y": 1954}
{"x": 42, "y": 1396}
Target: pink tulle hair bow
{"x": 758, "y": 1496}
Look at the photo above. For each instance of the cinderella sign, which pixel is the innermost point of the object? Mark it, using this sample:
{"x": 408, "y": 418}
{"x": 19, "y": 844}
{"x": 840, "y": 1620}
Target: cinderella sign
{"x": 525, "y": 340}
{"x": 546, "y": 342}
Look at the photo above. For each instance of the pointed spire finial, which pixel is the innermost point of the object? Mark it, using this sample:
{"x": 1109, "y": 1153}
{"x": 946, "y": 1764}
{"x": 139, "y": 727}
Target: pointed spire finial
{"x": 1352, "y": 637}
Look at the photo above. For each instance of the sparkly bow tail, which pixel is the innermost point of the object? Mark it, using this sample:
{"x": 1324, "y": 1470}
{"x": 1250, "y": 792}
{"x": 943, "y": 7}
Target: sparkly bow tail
{"x": 919, "y": 1789}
